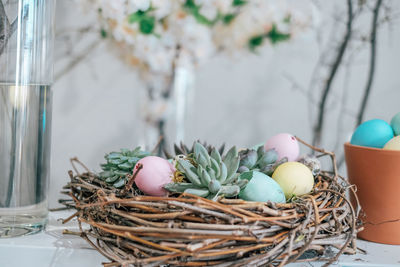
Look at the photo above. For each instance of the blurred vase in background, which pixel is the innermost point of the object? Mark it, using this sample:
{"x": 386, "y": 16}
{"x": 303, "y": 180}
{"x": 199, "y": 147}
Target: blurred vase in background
{"x": 163, "y": 107}
{"x": 26, "y": 62}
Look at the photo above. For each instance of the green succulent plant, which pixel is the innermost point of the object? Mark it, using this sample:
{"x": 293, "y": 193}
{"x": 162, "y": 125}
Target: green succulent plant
{"x": 209, "y": 174}
{"x": 262, "y": 160}
{"x": 183, "y": 149}
{"x": 119, "y": 164}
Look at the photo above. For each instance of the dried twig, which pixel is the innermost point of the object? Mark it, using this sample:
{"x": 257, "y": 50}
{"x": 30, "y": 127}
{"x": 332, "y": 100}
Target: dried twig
{"x": 77, "y": 59}
{"x": 7, "y": 29}
{"x": 332, "y": 73}
{"x": 372, "y": 63}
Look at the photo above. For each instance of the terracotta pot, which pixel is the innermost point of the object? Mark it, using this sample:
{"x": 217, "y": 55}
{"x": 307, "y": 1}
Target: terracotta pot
{"x": 376, "y": 173}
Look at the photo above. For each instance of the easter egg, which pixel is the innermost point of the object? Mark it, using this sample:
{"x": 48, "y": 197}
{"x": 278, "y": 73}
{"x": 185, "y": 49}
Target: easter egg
{"x": 261, "y": 188}
{"x": 294, "y": 178}
{"x": 393, "y": 144}
{"x": 285, "y": 144}
{"x": 156, "y": 172}
{"x": 395, "y": 123}
{"x": 373, "y": 133}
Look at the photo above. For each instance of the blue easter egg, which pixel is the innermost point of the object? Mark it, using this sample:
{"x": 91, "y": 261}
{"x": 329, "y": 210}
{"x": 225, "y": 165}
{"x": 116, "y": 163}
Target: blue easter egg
{"x": 373, "y": 133}
{"x": 261, "y": 188}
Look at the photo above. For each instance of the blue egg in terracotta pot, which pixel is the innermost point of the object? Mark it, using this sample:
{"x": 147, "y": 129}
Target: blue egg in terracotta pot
{"x": 373, "y": 133}
{"x": 261, "y": 188}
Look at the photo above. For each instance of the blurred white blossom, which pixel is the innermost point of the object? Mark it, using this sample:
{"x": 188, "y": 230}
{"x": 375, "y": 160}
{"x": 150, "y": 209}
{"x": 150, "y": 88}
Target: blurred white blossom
{"x": 155, "y": 35}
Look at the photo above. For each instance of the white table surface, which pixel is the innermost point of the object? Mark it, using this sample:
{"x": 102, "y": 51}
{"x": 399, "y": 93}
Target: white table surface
{"x": 53, "y": 249}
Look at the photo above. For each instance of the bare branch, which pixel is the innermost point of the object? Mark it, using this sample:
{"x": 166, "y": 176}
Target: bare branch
{"x": 76, "y": 60}
{"x": 4, "y": 28}
{"x": 335, "y": 66}
{"x": 3, "y": 17}
{"x": 7, "y": 29}
{"x": 13, "y": 26}
{"x": 372, "y": 62}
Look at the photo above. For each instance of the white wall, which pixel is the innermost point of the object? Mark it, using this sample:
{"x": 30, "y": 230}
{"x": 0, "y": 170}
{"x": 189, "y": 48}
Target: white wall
{"x": 238, "y": 101}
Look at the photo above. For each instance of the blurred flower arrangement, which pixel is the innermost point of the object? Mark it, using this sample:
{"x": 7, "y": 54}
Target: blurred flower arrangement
{"x": 166, "y": 39}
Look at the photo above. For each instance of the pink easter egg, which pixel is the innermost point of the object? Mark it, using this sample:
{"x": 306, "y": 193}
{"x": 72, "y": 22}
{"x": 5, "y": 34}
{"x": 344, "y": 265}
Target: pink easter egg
{"x": 156, "y": 172}
{"x": 285, "y": 144}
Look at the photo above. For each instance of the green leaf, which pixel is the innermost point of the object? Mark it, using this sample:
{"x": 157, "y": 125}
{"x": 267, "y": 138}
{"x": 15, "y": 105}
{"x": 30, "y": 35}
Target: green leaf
{"x": 261, "y": 150}
{"x": 215, "y": 155}
{"x": 224, "y": 173}
{"x": 231, "y": 154}
{"x": 113, "y": 155}
{"x": 269, "y": 157}
{"x": 115, "y": 162}
{"x": 112, "y": 179}
{"x": 287, "y": 19}
{"x": 135, "y": 151}
{"x": 199, "y": 149}
{"x": 124, "y": 158}
{"x": 133, "y": 160}
{"x": 198, "y": 192}
{"x": 255, "y": 42}
{"x": 239, "y": 2}
{"x": 216, "y": 167}
{"x": 211, "y": 172}
{"x": 205, "y": 178}
{"x": 190, "y": 4}
{"x": 231, "y": 179}
{"x": 103, "y": 33}
{"x": 246, "y": 176}
{"x": 120, "y": 183}
{"x": 227, "y": 19}
{"x": 214, "y": 186}
{"x": 231, "y": 161}
{"x": 202, "y": 161}
{"x": 125, "y": 166}
{"x": 189, "y": 171}
{"x": 242, "y": 183}
{"x": 121, "y": 173}
{"x": 141, "y": 154}
{"x": 232, "y": 168}
{"x": 275, "y": 36}
{"x": 203, "y": 20}
{"x": 105, "y": 174}
{"x": 178, "y": 187}
{"x": 135, "y": 17}
{"x": 194, "y": 10}
{"x": 105, "y": 167}
{"x": 230, "y": 190}
{"x": 147, "y": 24}
{"x": 125, "y": 150}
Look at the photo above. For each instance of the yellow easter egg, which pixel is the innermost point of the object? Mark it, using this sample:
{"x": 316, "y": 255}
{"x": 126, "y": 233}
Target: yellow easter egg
{"x": 393, "y": 144}
{"x": 294, "y": 178}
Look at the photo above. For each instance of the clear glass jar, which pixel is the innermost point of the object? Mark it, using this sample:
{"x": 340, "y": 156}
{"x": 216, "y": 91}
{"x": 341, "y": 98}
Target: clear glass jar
{"x": 26, "y": 73}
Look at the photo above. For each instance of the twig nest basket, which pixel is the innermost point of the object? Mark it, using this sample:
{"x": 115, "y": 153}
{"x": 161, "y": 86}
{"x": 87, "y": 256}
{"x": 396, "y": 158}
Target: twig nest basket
{"x": 187, "y": 230}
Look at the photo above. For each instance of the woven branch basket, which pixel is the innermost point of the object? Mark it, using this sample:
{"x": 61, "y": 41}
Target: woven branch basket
{"x": 187, "y": 230}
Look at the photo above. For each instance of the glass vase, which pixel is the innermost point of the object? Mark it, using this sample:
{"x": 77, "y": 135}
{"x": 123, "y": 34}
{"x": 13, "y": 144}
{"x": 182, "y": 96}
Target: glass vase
{"x": 164, "y": 108}
{"x": 26, "y": 64}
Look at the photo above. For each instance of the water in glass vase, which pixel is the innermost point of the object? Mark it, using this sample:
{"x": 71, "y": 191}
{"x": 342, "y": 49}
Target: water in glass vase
{"x": 25, "y": 123}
